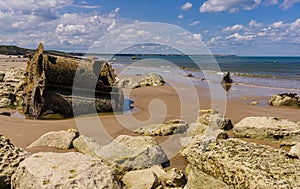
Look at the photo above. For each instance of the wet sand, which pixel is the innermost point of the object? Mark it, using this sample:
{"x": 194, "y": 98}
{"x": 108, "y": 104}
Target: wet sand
{"x": 151, "y": 105}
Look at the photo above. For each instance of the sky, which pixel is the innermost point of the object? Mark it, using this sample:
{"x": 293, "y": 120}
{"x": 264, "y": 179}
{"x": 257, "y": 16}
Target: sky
{"x": 241, "y": 27}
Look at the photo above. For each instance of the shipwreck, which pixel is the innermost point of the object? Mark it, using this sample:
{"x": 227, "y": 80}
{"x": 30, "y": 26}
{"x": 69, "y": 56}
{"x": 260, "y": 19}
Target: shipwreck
{"x": 69, "y": 86}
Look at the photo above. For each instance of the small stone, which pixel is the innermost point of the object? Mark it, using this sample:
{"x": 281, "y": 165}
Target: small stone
{"x": 4, "y": 102}
{"x": 254, "y": 103}
{"x": 143, "y": 179}
{"x": 295, "y": 149}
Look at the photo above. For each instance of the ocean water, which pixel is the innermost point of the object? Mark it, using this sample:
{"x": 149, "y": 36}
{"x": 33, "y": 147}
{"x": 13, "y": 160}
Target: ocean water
{"x": 278, "y": 74}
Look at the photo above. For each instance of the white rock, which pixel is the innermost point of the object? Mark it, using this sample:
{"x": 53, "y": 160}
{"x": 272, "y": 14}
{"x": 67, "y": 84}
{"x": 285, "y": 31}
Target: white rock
{"x": 140, "y": 179}
{"x": 4, "y": 102}
{"x": 295, "y": 149}
{"x": 86, "y": 145}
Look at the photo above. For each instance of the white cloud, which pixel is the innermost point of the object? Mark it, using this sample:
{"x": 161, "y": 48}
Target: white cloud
{"x": 187, "y": 6}
{"x": 197, "y": 36}
{"x": 231, "y": 6}
{"x": 114, "y": 13}
{"x": 254, "y": 23}
{"x": 288, "y": 4}
{"x": 270, "y": 2}
{"x": 234, "y": 28}
{"x": 194, "y": 23}
{"x": 239, "y": 37}
{"x": 277, "y": 24}
{"x": 180, "y": 16}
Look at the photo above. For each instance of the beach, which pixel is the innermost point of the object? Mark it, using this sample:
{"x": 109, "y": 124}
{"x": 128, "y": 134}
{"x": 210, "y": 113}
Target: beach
{"x": 152, "y": 105}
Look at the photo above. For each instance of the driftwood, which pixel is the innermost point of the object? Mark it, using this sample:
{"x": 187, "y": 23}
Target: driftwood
{"x": 69, "y": 86}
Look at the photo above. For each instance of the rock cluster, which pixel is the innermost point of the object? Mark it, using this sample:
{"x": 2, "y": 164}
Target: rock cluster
{"x": 10, "y": 157}
{"x": 285, "y": 99}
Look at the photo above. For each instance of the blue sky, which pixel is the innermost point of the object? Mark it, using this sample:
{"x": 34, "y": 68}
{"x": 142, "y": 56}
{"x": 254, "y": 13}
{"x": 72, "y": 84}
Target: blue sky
{"x": 242, "y": 27}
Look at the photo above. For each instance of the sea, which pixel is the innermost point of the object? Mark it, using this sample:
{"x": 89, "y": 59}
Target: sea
{"x": 266, "y": 74}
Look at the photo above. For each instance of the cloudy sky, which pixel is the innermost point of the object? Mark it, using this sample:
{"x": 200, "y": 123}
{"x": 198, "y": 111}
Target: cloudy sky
{"x": 242, "y": 27}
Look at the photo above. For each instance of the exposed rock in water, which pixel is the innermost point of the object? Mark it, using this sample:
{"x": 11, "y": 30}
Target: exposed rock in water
{"x": 57, "y": 139}
{"x": 268, "y": 128}
{"x": 285, "y": 99}
{"x": 152, "y": 79}
{"x": 133, "y": 153}
{"x": 69, "y": 85}
{"x": 227, "y": 78}
{"x": 63, "y": 170}
{"x": 237, "y": 164}
{"x": 167, "y": 128}
{"x": 10, "y": 157}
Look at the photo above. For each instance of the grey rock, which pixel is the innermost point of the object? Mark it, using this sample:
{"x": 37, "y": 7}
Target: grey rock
{"x": 4, "y": 102}
{"x": 63, "y": 170}
{"x": 152, "y": 79}
{"x": 268, "y": 128}
{"x": 142, "y": 179}
{"x": 57, "y": 139}
{"x": 285, "y": 99}
{"x": 127, "y": 83}
{"x": 167, "y": 128}
{"x": 14, "y": 75}
{"x": 133, "y": 153}
{"x": 10, "y": 157}
{"x": 216, "y": 121}
{"x": 86, "y": 145}
{"x": 238, "y": 164}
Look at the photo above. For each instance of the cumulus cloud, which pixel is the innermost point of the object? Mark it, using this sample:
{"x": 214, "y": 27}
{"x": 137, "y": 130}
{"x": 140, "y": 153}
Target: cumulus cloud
{"x": 286, "y": 4}
{"x": 231, "y": 6}
{"x": 187, "y": 6}
{"x": 254, "y": 23}
{"x": 234, "y": 28}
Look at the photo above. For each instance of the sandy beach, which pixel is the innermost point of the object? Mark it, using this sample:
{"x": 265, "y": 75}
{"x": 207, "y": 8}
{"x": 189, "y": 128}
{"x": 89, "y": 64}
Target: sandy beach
{"x": 23, "y": 132}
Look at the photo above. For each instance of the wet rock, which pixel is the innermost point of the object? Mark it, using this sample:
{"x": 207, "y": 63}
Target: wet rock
{"x": 227, "y": 78}
{"x": 285, "y": 99}
{"x": 237, "y": 164}
{"x": 57, "y": 139}
{"x": 63, "y": 170}
{"x": 14, "y": 75}
{"x": 167, "y": 128}
{"x": 269, "y": 128}
{"x": 4, "y": 102}
{"x": 295, "y": 149}
{"x": 152, "y": 79}
{"x": 127, "y": 83}
{"x": 133, "y": 153}
{"x": 142, "y": 179}
{"x": 10, "y": 157}
{"x": 86, "y": 145}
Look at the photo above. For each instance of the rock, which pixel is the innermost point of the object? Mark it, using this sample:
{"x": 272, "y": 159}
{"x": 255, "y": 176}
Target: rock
{"x": 127, "y": 83}
{"x": 10, "y": 157}
{"x": 2, "y": 75}
{"x": 227, "y": 78}
{"x": 133, "y": 153}
{"x": 269, "y": 128}
{"x": 285, "y": 99}
{"x": 254, "y": 103}
{"x": 216, "y": 121}
{"x": 142, "y": 179}
{"x": 167, "y": 128}
{"x": 63, "y": 170}
{"x": 57, "y": 139}
{"x": 14, "y": 75}
{"x": 190, "y": 75}
{"x": 4, "y": 102}
{"x": 208, "y": 111}
{"x": 295, "y": 149}
{"x": 152, "y": 79}
{"x": 237, "y": 164}
{"x": 86, "y": 145}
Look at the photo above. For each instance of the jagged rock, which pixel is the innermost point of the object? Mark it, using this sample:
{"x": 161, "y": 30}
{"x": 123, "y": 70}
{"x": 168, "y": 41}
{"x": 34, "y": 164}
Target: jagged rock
{"x": 2, "y": 75}
{"x": 58, "y": 139}
{"x": 63, "y": 170}
{"x": 127, "y": 83}
{"x": 142, "y": 179}
{"x": 133, "y": 153}
{"x": 14, "y": 75}
{"x": 4, "y": 102}
{"x": 240, "y": 165}
{"x": 227, "y": 78}
{"x": 285, "y": 99}
{"x": 167, "y": 128}
{"x": 152, "y": 79}
{"x": 10, "y": 157}
{"x": 295, "y": 149}
{"x": 86, "y": 145}
{"x": 269, "y": 128}
{"x": 216, "y": 121}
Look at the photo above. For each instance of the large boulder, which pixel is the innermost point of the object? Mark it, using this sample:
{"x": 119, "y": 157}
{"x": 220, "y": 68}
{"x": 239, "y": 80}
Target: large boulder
{"x": 269, "y": 128}
{"x": 127, "y": 83}
{"x": 142, "y": 179}
{"x": 233, "y": 163}
{"x": 63, "y": 170}
{"x": 57, "y": 139}
{"x": 133, "y": 153}
{"x": 152, "y": 79}
{"x": 14, "y": 75}
{"x": 10, "y": 157}
{"x": 86, "y": 145}
{"x": 216, "y": 121}
{"x": 167, "y": 128}
{"x": 285, "y": 99}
